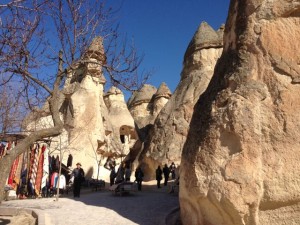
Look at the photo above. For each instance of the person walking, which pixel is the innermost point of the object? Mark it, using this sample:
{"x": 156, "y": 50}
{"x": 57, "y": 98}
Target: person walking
{"x": 112, "y": 176}
{"x": 166, "y": 172}
{"x": 78, "y": 175}
{"x": 127, "y": 172}
{"x": 120, "y": 174}
{"x": 139, "y": 177}
{"x": 172, "y": 169}
{"x": 158, "y": 176}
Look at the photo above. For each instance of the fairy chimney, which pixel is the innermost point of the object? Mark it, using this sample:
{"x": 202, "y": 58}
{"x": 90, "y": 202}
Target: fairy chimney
{"x": 160, "y": 98}
{"x": 239, "y": 163}
{"x": 121, "y": 119}
{"x": 167, "y": 137}
{"x": 91, "y": 132}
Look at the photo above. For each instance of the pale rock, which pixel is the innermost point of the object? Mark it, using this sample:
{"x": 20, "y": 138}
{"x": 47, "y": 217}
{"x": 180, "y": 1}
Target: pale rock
{"x": 121, "y": 120}
{"x": 92, "y": 127}
{"x": 240, "y": 161}
{"x": 141, "y": 106}
{"x": 160, "y": 98}
{"x": 166, "y": 139}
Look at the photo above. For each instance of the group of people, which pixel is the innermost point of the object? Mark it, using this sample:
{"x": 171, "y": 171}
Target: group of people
{"x": 124, "y": 173}
{"x": 166, "y": 172}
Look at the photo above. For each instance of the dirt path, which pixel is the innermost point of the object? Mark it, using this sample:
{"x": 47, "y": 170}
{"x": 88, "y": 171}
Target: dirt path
{"x": 148, "y": 207}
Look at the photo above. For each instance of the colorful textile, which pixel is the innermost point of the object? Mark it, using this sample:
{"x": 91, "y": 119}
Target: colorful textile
{"x": 45, "y": 168}
{"x": 13, "y": 171}
{"x": 20, "y": 164}
{"x": 35, "y": 166}
{"x": 31, "y": 162}
{"x": 54, "y": 179}
{"x": 39, "y": 174}
{"x": 14, "y": 166}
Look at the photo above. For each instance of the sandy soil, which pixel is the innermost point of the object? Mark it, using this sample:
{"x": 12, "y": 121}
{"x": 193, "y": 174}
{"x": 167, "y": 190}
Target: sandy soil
{"x": 147, "y": 207}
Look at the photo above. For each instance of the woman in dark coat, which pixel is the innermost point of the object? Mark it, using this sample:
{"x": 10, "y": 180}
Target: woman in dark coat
{"x": 158, "y": 176}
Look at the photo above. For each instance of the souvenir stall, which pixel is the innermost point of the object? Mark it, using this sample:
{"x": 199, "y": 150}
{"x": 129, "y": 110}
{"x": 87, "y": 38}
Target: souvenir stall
{"x": 33, "y": 173}
{"x": 7, "y": 144}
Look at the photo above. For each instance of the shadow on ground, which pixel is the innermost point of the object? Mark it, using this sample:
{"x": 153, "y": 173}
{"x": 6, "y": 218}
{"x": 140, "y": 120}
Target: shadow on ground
{"x": 147, "y": 207}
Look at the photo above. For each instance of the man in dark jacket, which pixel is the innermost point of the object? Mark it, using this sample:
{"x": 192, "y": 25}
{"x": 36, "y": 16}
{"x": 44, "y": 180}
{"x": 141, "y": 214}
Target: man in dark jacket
{"x": 139, "y": 177}
{"x": 78, "y": 174}
{"x": 166, "y": 172}
{"x": 158, "y": 176}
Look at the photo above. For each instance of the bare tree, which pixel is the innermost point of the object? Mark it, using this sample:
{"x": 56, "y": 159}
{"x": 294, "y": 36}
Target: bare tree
{"x": 40, "y": 40}
{"x": 11, "y": 110}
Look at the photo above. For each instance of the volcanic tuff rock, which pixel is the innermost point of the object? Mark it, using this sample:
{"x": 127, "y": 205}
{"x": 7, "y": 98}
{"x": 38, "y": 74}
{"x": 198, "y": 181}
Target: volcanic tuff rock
{"x": 166, "y": 138}
{"x": 160, "y": 98}
{"x": 94, "y": 128}
{"x": 240, "y": 161}
{"x": 121, "y": 121}
{"x": 141, "y": 106}
{"x": 145, "y": 104}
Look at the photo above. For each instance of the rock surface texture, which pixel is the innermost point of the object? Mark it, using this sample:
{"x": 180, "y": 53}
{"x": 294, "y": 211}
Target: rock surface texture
{"x": 167, "y": 137}
{"x": 145, "y": 104}
{"x": 240, "y": 161}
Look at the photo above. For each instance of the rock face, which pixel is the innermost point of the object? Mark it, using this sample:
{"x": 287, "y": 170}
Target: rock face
{"x": 145, "y": 104}
{"x": 240, "y": 161}
{"x": 168, "y": 135}
{"x": 96, "y": 126}
{"x": 121, "y": 121}
{"x": 141, "y": 105}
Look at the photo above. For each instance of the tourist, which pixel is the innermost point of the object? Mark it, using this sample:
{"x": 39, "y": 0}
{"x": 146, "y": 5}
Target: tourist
{"x": 127, "y": 172}
{"x": 172, "y": 169}
{"x": 175, "y": 186}
{"x": 120, "y": 174}
{"x": 78, "y": 175}
{"x": 112, "y": 176}
{"x": 158, "y": 176}
{"x": 139, "y": 177}
{"x": 166, "y": 172}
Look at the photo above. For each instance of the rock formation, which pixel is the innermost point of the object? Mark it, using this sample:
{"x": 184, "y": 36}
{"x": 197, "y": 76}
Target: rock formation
{"x": 141, "y": 106}
{"x": 96, "y": 126}
{"x": 160, "y": 98}
{"x": 240, "y": 160}
{"x": 166, "y": 138}
{"x": 121, "y": 121}
{"x": 145, "y": 104}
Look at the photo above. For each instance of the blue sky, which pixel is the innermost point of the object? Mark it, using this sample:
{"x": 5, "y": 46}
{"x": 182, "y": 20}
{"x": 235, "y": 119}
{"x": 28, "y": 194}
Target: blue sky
{"x": 163, "y": 29}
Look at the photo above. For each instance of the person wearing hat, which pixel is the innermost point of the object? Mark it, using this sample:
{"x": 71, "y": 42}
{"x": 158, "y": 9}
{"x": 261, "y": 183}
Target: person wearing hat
{"x": 78, "y": 175}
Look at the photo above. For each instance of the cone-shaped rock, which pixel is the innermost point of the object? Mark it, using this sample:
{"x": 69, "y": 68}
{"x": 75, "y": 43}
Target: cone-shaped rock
{"x": 161, "y": 97}
{"x": 141, "y": 105}
{"x": 167, "y": 137}
{"x": 240, "y": 160}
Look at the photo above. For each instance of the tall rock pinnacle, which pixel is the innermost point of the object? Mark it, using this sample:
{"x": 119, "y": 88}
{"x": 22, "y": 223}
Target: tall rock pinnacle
{"x": 239, "y": 163}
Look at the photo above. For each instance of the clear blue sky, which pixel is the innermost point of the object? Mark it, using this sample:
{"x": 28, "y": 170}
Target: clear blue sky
{"x": 163, "y": 29}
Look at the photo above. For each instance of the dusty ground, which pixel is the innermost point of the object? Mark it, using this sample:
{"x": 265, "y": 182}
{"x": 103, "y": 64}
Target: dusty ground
{"x": 147, "y": 207}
